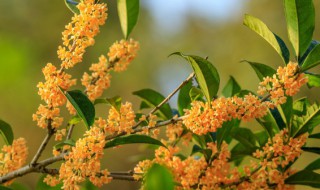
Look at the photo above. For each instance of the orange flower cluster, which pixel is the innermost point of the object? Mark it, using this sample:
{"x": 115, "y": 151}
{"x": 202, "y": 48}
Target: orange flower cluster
{"x": 287, "y": 81}
{"x": 207, "y": 117}
{"x": 98, "y": 80}
{"x": 121, "y": 120}
{"x": 217, "y": 173}
{"x": 84, "y": 161}
{"x": 13, "y": 157}
{"x": 122, "y": 53}
{"x": 80, "y": 32}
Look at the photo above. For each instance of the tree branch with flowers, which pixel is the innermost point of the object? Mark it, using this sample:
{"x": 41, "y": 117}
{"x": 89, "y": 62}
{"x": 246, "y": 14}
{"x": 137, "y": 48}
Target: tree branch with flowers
{"x": 209, "y": 122}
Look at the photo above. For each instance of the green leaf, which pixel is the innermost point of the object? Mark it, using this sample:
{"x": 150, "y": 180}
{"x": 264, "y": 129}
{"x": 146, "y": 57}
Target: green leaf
{"x": 307, "y": 122}
{"x": 205, "y": 152}
{"x": 312, "y": 60}
{"x": 5, "y": 188}
{"x": 286, "y": 111}
{"x": 300, "y": 106}
{"x": 114, "y": 102}
{"x": 304, "y": 177}
{"x": 184, "y": 98}
{"x": 244, "y": 136}
{"x": 313, "y": 80}
{"x": 269, "y": 123}
{"x": 315, "y": 136}
{"x": 18, "y": 186}
{"x": 315, "y": 150}
{"x": 312, "y": 45}
{"x": 6, "y": 132}
{"x": 72, "y": 5}
{"x": 43, "y": 186}
{"x": 74, "y": 120}
{"x": 262, "y": 137}
{"x": 261, "y": 70}
{"x": 133, "y": 139}
{"x": 239, "y": 151}
{"x": 206, "y": 74}
{"x": 128, "y": 11}
{"x": 82, "y": 105}
{"x": 153, "y": 99}
{"x": 275, "y": 41}
{"x": 159, "y": 178}
{"x": 144, "y": 105}
{"x": 199, "y": 139}
{"x": 88, "y": 186}
{"x": 60, "y": 145}
{"x": 315, "y": 165}
{"x": 232, "y": 87}
{"x": 300, "y": 18}
{"x": 224, "y": 132}
{"x": 195, "y": 93}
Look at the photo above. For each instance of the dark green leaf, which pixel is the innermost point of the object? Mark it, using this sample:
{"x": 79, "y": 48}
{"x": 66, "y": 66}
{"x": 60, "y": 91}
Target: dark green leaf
{"x": 239, "y": 151}
{"x": 128, "y": 11}
{"x": 184, "y": 98}
{"x": 224, "y": 132}
{"x": 243, "y": 93}
{"x": 206, "y": 74}
{"x": 313, "y": 80}
{"x": 195, "y": 93}
{"x": 315, "y": 165}
{"x": 60, "y": 145}
{"x": 144, "y": 105}
{"x": 205, "y": 152}
{"x": 72, "y": 5}
{"x": 312, "y": 45}
{"x": 232, "y": 87}
{"x": 133, "y": 139}
{"x": 277, "y": 117}
{"x": 244, "y": 136}
{"x": 82, "y": 105}
{"x": 312, "y": 60}
{"x": 43, "y": 186}
{"x": 159, "y": 178}
{"x": 304, "y": 177}
{"x": 261, "y": 70}
{"x": 300, "y": 18}
{"x": 6, "y": 132}
{"x": 275, "y": 41}
{"x": 315, "y": 136}
{"x": 308, "y": 122}
{"x": 315, "y": 150}
{"x": 200, "y": 140}
{"x": 5, "y": 188}
{"x": 153, "y": 99}
{"x": 262, "y": 137}
{"x": 269, "y": 124}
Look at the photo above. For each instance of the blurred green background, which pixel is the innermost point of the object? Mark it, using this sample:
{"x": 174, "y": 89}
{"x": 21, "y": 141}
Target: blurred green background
{"x": 30, "y": 32}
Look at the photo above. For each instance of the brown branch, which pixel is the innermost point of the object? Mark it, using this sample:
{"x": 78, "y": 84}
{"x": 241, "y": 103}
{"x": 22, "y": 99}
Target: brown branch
{"x": 37, "y": 167}
{"x": 44, "y": 143}
{"x": 70, "y": 132}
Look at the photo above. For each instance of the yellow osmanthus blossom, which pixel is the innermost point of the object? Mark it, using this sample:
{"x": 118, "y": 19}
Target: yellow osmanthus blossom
{"x": 45, "y": 116}
{"x": 122, "y": 53}
{"x": 13, "y": 157}
{"x": 83, "y": 161}
{"x": 80, "y": 32}
{"x": 208, "y": 117}
{"x": 121, "y": 120}
{"x": 287, "y": 81}
{"x": 217, "y": 173}
{"x": 98, "y": 81}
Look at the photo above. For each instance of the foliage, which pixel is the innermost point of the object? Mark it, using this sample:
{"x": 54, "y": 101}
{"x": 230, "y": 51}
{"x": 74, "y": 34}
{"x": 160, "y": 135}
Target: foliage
{"x": 209, "y": 122}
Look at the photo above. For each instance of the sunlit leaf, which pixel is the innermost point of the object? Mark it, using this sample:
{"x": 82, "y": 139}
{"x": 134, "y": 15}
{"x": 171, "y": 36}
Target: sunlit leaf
{"x": 275, "y": 41}
{"x": 72, "y": 5}
{"x": 206, "y": 74}
{"x": 231, "y": 88}
{"x": 153, "y": 99}
{"x": 128, "y": 11}
{"x": 82, "y": 105}
{"x": 68, "y": 142}
{"x": 300, "y": 16}
{"x": 195, "y": 93}
{"x": 6, "y": 132}
{"x": 159, "y": 178}
{"x": 184, "y": 98}
{"x": 313, "y": 80}
{"x": 133, "y": 139}
{"x": 261, "y": 70}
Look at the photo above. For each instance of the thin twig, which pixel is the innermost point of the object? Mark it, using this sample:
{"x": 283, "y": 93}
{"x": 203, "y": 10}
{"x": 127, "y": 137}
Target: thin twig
{"x": 43, "y": 144}
{"x": 70, "y": 132}
{"x": 155, "y": 109}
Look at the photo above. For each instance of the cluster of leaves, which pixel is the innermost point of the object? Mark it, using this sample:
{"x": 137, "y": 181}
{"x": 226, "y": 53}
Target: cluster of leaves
{"x": 299, "y": 116}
